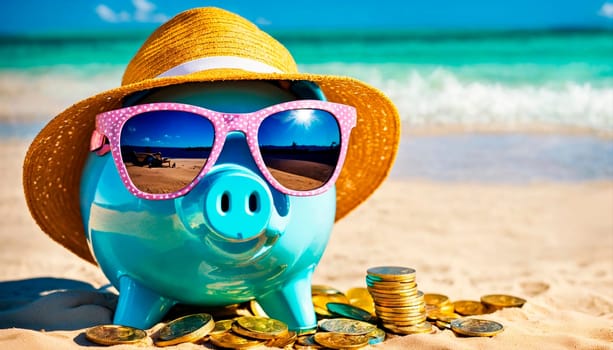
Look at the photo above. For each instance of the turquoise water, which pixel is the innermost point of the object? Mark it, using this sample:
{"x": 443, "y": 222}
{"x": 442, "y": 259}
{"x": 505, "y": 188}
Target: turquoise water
{"x": 506, "y": 79}
{"x": 452, "y": 78}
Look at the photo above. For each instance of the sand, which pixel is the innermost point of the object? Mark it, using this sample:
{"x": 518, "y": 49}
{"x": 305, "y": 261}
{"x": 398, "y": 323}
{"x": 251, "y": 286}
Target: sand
{"x": 172, "y": 178}
{"x": 550, "y": 243}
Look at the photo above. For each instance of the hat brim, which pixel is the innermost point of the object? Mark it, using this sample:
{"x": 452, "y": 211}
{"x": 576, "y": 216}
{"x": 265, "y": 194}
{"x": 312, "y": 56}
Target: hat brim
{"x": 56, "y": 157}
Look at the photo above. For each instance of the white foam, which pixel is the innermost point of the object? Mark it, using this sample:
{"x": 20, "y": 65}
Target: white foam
{"x": 440, "y": 97}
{"x": 422, "y": 97}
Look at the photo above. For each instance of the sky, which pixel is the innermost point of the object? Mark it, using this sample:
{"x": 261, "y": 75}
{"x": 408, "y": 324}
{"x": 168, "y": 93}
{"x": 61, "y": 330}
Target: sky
{"x": 281, "y": 129}
{"x": 31, "y": 17}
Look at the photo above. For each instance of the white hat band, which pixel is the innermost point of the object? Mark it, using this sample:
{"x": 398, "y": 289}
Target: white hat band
{"x": 219, "y": 62}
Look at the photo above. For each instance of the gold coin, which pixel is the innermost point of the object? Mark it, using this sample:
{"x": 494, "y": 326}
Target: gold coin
{"x": 469, "y": 307}
{"x": 185, "y": 329}
{"x": 357, "y": 293}
{"x": 413, "y": 313}
{"x": 425, "y": 327}
{"x": 370, "y": 282}
{"x": 400, "y": 309}
{"x": 473, "y": 327}
{"x": 375, "y": 280}
{"x": 306, "y": 342}
{"x": 405, "y": 321}
{"x": 442, "y": 325}
{"x": 346, "y": 326}
{"x": 256, "y": 309}
{"x": 396, "y": 316}
{"x": 222, "y": 326}
{"x": 115, "y": 334}
{"x": 322, "y": 300}
{"x": 334, "y": 340}
{"x": 394, "y": 273}
{"x": 416, "y": 295}
{"x": 416, "y": 309}
{"x": 436, "y": 314}
{"x": 444, "y": 320}
{"x": 283, "y": 341}
{"x": 500, "y": 301}
{"x": 230, "y": 340}
{"x": 350, "y": 311}
{"x": 259, "y": 327}
{"x": 377, "y": 336}
{"x": 397, "y": 301}
{"x": 435, "y": 299}
{"x": 321, "y": 312}
{"x": 447, "y": 307}
{"x": 400, "y": 302}
{"x": 448, "y": 317}
{"x": 361, "y": 299}
{"x": 320, "y": 289}
{"x": 391, "y": 293}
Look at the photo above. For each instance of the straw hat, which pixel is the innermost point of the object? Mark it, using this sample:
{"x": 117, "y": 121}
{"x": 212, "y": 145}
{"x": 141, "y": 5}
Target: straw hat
{"x": 199, "y": 45}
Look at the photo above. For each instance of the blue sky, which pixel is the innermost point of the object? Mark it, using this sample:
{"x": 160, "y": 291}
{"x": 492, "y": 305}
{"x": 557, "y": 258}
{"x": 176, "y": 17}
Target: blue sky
{"x": 61, "y": 16}
{"x": 303, "y": 127}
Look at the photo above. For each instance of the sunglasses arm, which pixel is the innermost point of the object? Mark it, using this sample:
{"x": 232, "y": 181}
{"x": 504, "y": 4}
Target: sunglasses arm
{"x": 98, "y": 143}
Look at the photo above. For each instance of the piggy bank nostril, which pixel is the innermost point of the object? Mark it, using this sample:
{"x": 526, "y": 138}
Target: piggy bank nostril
{"x": 225, "y": 202}
{"x": 253, "y": 202}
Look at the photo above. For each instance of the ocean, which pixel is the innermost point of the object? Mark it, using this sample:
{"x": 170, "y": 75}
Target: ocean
{"x": 511, "y": 81}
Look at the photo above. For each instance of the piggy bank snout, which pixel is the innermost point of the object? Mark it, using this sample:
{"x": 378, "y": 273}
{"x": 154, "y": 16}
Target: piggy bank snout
{"x": 237, "y": 204}
{"x": 233, "y": 204}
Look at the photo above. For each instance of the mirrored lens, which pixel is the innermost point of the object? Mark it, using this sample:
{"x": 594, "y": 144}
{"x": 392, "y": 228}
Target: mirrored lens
{"x": 300, "y": 147}
{"x": 163, "y": 151}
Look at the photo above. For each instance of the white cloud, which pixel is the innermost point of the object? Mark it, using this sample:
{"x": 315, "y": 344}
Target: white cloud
{"x": 106, "y": 14}
{"x": 144, "y": 11}
{"x": 143, "y": 5}
{"x": 606, "y": 10}
{"x": 263, "y": 21}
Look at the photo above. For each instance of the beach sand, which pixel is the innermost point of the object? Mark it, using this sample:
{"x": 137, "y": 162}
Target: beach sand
{"x": 549, "y": 243}
{"x": 171, "y": 178}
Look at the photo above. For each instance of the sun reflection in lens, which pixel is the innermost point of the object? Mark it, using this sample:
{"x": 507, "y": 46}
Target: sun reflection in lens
{"x": 303, "y": 117}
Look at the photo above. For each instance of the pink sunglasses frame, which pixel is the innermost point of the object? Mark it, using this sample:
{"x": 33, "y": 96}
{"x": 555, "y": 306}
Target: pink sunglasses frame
{"x": 109, "y": 125}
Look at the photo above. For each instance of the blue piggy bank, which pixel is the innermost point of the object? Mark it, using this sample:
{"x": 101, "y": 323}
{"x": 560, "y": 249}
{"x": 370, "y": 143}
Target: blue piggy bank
{"x": 231, "y": 239}
{"x": 207, "y": 97}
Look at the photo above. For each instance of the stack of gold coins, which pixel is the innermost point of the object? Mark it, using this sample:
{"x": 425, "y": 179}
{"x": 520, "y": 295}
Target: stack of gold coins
{"x": 399, "y": 305}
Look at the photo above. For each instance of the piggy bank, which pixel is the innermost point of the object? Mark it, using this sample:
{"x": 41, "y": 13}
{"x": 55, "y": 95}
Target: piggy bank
{"x": 212, "y": 175}
{"x": 232, "y": 238}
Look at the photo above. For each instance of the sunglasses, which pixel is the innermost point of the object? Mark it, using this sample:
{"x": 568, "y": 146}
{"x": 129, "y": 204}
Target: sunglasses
{"x": 163, "y": 150}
